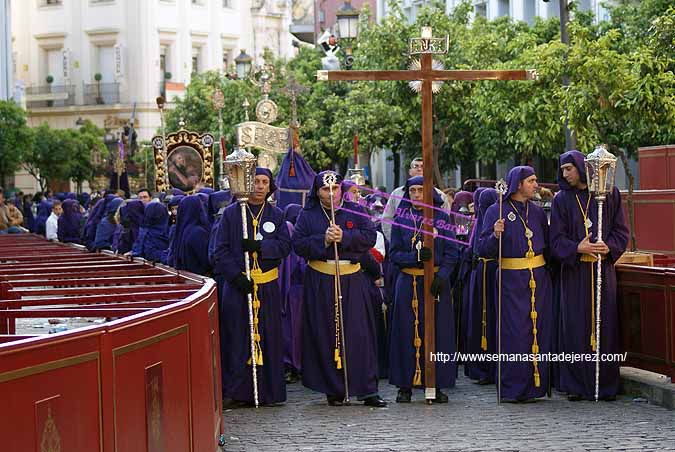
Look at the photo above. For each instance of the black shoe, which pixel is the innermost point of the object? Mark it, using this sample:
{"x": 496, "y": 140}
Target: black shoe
{"x": 229, "y": 404}
{"x": 484, "y": 381}
{"x": 608, "y": 399}
{"x": 335, "y": 400}
{"x": 291, "y": 376}
{"x": 574, "y": 397}
{"x": 404, "y": 396}
{"x": 440, "y": 397}
{"x": 375, "y": 401}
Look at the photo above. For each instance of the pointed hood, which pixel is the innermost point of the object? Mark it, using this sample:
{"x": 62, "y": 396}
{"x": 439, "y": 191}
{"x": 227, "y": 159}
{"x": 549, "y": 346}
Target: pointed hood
{"x": 515, "y": 176}
{"x": 313, "y": 198}
{"x": 577, "y": 159}
{"x": 295, "y": 180}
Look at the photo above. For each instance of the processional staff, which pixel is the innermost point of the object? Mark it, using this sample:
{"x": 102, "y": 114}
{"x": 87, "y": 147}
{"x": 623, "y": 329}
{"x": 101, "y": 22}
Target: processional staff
{"x": 341, "y": 351}
{"x": 240, "y": 168}
{"x": 600, "y": 169}
{"x": 165, "y": 167}
{"x": 501, "y": 190}
{"x": 218, "y": 104}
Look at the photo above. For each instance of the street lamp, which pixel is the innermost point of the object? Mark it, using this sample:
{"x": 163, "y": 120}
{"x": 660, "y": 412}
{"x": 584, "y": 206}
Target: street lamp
{"x": 243, "y": 62}
{"x": 348, "y": 29}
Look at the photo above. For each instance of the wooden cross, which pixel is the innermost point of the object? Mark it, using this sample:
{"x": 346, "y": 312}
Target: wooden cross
{"x": 426, "y": 46}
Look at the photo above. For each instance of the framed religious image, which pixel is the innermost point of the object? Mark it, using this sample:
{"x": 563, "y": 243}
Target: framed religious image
{"x": 184, "y": 162}
{"x": 186, "y": 168}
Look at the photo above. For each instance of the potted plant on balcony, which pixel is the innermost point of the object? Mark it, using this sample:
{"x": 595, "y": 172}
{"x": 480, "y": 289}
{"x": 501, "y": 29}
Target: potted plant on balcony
{"x": 98, "y": 77}
{"x": 49, "y": 81}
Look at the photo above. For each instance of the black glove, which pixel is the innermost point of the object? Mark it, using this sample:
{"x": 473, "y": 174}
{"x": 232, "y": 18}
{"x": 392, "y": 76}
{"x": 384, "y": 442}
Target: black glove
{"x": 437, "y": 285}
{"x": 243, "y": 284}
{"x": 251, "y": 245}
{"x": 425, "y": 254}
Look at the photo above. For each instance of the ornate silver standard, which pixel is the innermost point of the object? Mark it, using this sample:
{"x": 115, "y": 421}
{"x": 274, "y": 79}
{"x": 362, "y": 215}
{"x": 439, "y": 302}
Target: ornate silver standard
{"x": 331, "y": 180}
{"x": 501, "y": 189}
{"x": 160, "y": 105}
{"x": 600, "y": 169}
{"x": 240, "y": 167}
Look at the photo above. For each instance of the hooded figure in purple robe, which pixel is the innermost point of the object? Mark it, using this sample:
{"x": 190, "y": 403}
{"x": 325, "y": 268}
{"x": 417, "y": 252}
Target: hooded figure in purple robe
{"x": 131, "y": 217}
{"x": 153, "y": 235}
{"x": 70, "y": 222}
{"x": 84, "y": 198}
{"x": 480, "y": 324}
{"x": 106, "y": 228}
{"x": 172, "y": 206}
{"x": 294, "y": 180}
{"x": 268, "y": 243}
{"x": 526, "y": 323}
{"x": 462, "y": 273}
{"x": 406, "y": 356}
{"x": 206, "y": 190}
{"x": 218, "y": 200}
{"x": 323, "y": 349}
{"x": 191, "y": 239}
{"x": 291, "y": 274}
{"x": 95, "y": 216}
{"x": 43, "y": 212}
{"x": 574, "y": 215}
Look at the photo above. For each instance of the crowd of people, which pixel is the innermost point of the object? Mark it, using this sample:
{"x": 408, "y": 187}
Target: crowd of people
{"x": 337, "y": 284}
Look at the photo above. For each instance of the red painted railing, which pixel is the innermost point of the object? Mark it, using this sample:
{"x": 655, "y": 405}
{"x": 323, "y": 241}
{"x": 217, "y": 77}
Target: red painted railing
{"x": 646, "y": 297}
{"x": 148, "y": 379}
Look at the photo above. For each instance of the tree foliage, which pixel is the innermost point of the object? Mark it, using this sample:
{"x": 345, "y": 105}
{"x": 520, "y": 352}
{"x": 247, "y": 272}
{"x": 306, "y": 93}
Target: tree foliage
{"x": 621, "y": 89}
{"x": 15, "y": 138}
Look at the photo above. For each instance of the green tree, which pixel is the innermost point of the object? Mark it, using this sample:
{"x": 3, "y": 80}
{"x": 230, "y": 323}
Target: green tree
{"x": 48, "y": 158}
{"x": 625, "y": 100}
{"x": 83, "y": 142}
{"x": 15, "y": 138}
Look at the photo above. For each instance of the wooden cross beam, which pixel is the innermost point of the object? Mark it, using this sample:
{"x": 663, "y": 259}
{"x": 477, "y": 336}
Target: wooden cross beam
{"x": 426, "y": 46}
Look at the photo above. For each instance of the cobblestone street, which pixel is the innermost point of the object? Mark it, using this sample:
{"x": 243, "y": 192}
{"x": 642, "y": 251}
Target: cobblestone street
{"x": 470, "y": 421}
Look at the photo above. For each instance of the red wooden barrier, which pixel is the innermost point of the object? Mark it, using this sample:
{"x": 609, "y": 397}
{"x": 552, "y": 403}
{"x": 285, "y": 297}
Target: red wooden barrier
{"x": 148, "y": 381}
{"x": 647, "y": 315}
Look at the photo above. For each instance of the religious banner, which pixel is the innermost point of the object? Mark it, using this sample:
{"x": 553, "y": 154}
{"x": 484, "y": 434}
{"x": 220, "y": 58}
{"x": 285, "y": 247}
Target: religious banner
{"x": 187, "y": 158}
{"x": 262, "y": 136}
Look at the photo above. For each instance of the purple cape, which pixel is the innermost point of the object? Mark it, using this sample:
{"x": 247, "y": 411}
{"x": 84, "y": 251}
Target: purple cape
{"x": 402, "y": 360}
{"x": 319, "y": 370}
{"x": 153, "y": 240}
{"x": 131, "y": 216}
{"x": 228, "y": 260}
{"x": 69, "y": 223}
{"x": 516, "y": 324}
{"x": 189, "y": 247}
{"x": 481, "y": 297}
{"x": 576, "y": 279}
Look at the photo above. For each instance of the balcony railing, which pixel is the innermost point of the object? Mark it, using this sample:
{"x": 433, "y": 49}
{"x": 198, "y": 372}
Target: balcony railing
{"x": 50, "y": 96}
{"x": 101, "y": 93}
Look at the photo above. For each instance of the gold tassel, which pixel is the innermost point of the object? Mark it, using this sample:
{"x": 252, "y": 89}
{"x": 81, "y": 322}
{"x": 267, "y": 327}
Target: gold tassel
{"x": 483, "y": 343}
{"x": 537, "y": 379}
{"x": 417, "y": 341}
{"x": 338, "y": 358}
{"x": 417, "y": 380}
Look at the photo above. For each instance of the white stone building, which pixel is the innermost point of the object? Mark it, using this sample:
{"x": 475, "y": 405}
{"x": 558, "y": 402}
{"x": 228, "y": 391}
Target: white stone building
{"x": 133, "y": 45}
